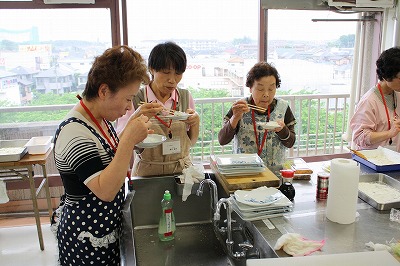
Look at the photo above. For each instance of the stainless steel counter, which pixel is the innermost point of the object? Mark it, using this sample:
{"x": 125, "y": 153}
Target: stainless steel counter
{"x": 308, "y": 219}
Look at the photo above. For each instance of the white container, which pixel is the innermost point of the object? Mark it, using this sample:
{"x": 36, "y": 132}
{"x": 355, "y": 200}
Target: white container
{"x": 39, "y": 145}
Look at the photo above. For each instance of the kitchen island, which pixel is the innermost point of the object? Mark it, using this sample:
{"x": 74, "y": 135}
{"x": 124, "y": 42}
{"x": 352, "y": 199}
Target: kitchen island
{"x": 309, "y": 220}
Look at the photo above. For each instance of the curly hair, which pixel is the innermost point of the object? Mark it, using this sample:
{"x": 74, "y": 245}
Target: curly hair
{"x": 262, "y": 69}
{"x": 167, "y": 55}
{"x": 117, "y": 67}
{"x": 388, "y": 64}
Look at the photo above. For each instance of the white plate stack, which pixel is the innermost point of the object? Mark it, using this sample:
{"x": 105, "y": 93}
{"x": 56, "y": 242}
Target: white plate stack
{"x": 260, "y": 203}
{"x": 239, "y": 164}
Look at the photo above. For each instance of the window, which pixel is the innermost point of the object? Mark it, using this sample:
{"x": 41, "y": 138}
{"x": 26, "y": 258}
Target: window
{"x": 220, "y": 38}
{"x": 51, "y": 47}
{"x": 311, "y": 56}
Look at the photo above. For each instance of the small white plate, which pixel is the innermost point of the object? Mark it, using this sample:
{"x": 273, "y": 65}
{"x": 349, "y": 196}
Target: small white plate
{"x": 151, "y": 141}
{"x": 269, "y": 125}
{"x": 177, "y": 115}
{"x": 261, "y": 196}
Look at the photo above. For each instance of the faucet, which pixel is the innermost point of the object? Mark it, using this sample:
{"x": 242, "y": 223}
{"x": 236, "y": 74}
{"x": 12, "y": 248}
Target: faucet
{"x": 229, "y": 239}
{"x": 216, "y": 206}
{"x": 213, "y": 188}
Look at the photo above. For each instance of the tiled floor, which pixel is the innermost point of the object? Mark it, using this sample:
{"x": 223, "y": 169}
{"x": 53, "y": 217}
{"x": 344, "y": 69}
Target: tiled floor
{"x": 19, "y": 242}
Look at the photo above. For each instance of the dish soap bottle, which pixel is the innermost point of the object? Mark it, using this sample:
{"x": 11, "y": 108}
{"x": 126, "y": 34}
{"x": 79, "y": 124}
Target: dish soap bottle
{"x": 166, "y": 226}
{"x": 286, "y": 187}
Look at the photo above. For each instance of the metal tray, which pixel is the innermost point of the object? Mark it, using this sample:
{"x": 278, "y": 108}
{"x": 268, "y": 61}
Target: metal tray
{"x": 380, "y": 178}
{"x": 18, "y": 143}
{"x": 378, "y": 168}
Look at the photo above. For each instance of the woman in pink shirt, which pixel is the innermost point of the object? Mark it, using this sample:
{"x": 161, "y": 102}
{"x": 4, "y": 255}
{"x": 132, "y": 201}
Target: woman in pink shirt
{"x": 166, "y": 63}
{"x": 375, "y": 121}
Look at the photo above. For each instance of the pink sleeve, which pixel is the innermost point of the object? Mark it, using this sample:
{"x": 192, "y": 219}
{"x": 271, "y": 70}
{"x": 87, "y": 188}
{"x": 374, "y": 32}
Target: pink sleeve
{"x": 121, "y": 122}
{"x": 366, "y": 119}
{"x": 191, "y": 102}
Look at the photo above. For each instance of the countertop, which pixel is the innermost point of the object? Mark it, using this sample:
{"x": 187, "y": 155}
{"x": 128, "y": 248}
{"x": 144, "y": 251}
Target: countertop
{"x": 308, "y": 219}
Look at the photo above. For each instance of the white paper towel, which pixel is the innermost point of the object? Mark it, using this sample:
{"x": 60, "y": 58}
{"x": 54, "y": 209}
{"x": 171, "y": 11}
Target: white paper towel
{"x": 341, "y": 206}
{"x": 3, "y": 192}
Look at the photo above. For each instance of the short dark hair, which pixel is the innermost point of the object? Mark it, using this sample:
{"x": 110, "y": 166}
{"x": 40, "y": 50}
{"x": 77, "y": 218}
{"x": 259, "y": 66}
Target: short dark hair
{"x": 262, "y": 69}
{"x": 117, "y": 67}
{"x": 167, "y": 55}
{"x": 388, "y": 64}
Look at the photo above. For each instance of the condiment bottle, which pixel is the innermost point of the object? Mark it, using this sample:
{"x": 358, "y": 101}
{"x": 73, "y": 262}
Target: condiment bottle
{"x": 166, "y": 226}
{"x": 286, "y": 187}
{"x": 322, "y": 185}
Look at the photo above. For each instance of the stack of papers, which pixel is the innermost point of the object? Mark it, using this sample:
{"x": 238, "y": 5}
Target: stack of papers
{"x": 260, "y": 203}
{"x": 239, "y": 164}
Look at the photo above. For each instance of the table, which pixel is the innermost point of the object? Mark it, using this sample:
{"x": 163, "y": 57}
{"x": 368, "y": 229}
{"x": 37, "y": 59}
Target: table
{"x": 23, "y": 169}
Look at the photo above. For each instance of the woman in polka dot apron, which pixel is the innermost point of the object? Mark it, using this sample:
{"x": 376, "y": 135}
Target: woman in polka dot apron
{"x": 93, "y": 160}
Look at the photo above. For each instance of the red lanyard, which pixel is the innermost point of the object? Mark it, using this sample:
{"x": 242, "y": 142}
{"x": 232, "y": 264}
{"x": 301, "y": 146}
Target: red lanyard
{"x": 113, "y": 146}
{"x": 168, "y": 125}
{"x": 260, "y": 147}
{"x": 386, "y": 108}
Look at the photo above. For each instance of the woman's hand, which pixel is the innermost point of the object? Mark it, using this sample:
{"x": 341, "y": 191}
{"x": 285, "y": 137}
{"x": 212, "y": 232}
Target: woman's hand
{"x": 148, "y": 109}
{"x": 193, "y": 119}
{"x": 281, "y": 126}
{"x": 395, "y": 128}
{"x": 239, "y": 108}
{"x": 137, "y": 129}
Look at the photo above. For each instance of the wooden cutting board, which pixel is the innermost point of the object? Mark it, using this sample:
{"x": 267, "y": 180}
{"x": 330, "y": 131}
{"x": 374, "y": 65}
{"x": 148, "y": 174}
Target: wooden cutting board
{"x": 233, "y": 183}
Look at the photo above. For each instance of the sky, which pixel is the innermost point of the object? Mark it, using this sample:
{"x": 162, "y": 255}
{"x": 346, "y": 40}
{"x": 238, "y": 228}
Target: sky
{"x": 179, "y": 19}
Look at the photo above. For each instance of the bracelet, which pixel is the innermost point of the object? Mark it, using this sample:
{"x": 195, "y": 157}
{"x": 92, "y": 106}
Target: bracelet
{"x": 286, "y": 137}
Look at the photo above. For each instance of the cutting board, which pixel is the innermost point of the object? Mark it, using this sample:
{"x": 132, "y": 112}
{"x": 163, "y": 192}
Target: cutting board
{"x": 233, "y": 183}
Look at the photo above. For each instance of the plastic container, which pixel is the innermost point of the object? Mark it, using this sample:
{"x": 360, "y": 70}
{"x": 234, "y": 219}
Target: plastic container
{"x": 166, "y": 226}
{"x": 39, "y": 145}
{"x": 286, "y": 187}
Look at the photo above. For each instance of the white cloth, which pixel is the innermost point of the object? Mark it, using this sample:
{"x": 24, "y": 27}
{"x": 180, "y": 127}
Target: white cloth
{"x": 192, "y": 174}
{"x": 296, "y": 245}
{"x": 3, "y": 192}
{"x": 377, "y": 246}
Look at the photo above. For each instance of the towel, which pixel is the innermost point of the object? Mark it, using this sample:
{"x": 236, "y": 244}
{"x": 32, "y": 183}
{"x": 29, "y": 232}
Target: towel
{"x": 296, "y": 245}
{"x": 192, "y": 174}
{"x": 3, "y": 192}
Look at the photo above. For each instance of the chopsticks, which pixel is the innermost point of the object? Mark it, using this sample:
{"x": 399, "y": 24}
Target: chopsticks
{"x": 359, "y": 154}
{"x": 257, "y": 108}
{"x": 170, "y": 111}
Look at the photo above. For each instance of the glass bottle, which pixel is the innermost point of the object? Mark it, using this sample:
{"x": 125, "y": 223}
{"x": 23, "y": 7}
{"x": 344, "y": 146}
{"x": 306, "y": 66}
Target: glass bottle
{"x": 286, "y": 187}
{"x": 166, "y": 226}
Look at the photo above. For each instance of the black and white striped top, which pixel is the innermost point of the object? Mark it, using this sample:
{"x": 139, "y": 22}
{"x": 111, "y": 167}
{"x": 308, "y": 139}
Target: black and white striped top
{"x": 80, "y": 155}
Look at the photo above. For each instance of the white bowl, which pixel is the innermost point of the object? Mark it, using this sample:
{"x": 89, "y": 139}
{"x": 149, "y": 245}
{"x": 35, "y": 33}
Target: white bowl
{"x": 151, "y": 141}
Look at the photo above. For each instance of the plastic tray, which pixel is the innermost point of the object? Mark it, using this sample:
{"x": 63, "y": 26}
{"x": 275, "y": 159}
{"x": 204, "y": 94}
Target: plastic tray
{"x": 378, "y": 168}
{"x": 13, "y": 144}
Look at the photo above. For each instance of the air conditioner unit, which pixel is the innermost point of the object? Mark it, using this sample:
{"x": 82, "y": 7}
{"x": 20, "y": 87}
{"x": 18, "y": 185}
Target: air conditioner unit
{"x": 51, "y": 2}
{"x": 363, "y": 3}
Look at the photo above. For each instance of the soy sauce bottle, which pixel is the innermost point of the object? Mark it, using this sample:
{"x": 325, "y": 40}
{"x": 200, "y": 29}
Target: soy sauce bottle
{"x": 286, "y": 187}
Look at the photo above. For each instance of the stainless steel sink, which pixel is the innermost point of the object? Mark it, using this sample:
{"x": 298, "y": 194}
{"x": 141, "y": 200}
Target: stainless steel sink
{"x": 197, "y": 242}
{"x": 194, "y": 244}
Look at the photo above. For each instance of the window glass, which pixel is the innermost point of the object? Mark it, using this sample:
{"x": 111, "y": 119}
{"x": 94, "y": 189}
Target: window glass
{"x": 220, "y": 38}
{"x": 312, "y": 56}
{"x": 48, "y": 51}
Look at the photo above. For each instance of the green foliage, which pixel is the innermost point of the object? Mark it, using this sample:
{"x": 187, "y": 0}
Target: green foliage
{"x": 40, "y": 100}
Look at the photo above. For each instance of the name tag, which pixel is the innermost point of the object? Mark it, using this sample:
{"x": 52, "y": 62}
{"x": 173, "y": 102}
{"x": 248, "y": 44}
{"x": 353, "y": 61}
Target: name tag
{"x": 171, "y": 147}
